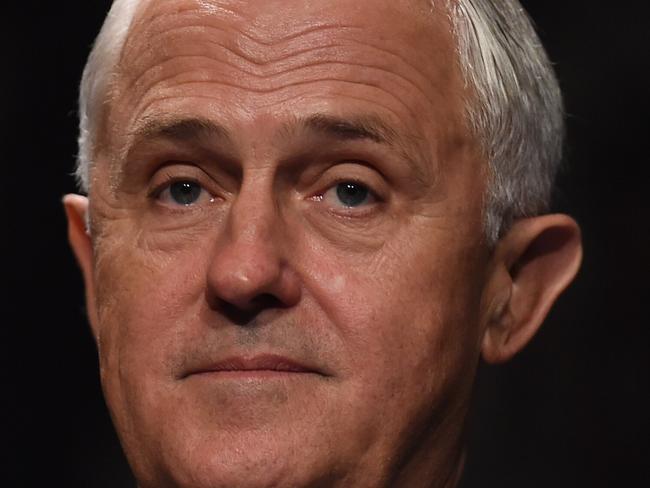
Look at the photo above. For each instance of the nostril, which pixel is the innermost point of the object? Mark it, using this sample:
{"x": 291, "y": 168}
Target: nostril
{"x": 267, "y": 300}
{"x": 238, "y": 316}
{"x": 245, "y": 314}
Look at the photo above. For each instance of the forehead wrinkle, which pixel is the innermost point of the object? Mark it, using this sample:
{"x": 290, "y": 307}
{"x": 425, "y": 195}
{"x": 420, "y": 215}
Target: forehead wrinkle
{"x": 233, "y": 65}
{"x": 196, "y": 11}
{"x": 253, "y": 56}
{"x": 160, "y": 67}
{"x": 192, "y": 17}
{"x": 231, "y": 59}
{"x": 383, "y": 53}
{"x": 248, "y": 59}
{"x": 201, "y": 9}
{"x": 276, "y": 81}
{"x": 265, "y": 91}
{"x": 268, "y": 82}
{"x": 320, "y": 29}
{"x": 225, "y": 39}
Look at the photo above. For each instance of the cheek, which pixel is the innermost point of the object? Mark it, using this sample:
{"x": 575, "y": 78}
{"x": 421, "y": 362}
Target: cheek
{"x": 408, "y": 321}
{"x": 146, "y": 296}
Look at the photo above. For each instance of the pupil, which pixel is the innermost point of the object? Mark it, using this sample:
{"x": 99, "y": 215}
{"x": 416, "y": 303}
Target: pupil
{"x": 351, "y": 194}
{"x": 185, "y": 192}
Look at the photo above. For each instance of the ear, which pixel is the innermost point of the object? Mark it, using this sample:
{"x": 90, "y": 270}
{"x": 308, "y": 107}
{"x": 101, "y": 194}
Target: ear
{"x": 531, "y": 265}
{"x": 76, "y": 210}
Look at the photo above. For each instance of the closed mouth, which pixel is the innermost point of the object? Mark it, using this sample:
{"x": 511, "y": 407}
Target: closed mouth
{"x": 263, "y": 364}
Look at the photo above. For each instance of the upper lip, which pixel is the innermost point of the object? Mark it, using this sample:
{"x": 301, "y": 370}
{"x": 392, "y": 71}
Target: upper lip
{"x": 262, "y": 362}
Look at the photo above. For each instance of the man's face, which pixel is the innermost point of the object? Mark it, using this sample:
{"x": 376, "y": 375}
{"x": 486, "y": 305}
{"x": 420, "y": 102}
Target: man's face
{"x": 286, "y": 220}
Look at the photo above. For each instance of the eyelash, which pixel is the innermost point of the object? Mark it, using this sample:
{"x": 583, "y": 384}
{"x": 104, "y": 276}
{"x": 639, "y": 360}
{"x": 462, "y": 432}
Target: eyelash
{"x": 364, "y": 210}
{"x": 168, "y": 180}
{"x": 352, "y": 211}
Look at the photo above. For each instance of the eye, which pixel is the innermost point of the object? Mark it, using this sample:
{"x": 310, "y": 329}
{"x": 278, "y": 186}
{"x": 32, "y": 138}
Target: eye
{"x": 185, "y": 193}
{"x": 349, "y": 194}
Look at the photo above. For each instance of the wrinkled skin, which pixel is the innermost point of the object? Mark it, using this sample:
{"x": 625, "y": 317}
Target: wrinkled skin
{"x": 384, "y": 301}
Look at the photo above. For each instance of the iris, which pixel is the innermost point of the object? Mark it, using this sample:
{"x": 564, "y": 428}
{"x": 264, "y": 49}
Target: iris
{"x": 185, "y": 192}
{"x": 351, "y": 194}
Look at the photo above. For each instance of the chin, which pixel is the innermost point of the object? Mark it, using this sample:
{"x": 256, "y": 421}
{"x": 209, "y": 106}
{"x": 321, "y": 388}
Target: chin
{"x": 243, "y": 460}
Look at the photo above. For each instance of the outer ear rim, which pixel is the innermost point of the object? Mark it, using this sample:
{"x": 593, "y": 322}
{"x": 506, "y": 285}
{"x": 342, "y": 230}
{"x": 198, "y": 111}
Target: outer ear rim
{"x": 76, "y": 210}
{"x": 513, "y": 322}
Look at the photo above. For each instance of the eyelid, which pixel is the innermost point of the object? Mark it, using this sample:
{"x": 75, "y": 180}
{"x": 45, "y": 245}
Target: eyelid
{"x": 169, "y": 180}
{"x": 341, "y": 211}
{"x": 371, "y": 197}
{"x": 164, "y": 197}
{"x": 364, "y": 177}
{"x": 179, "y": 172}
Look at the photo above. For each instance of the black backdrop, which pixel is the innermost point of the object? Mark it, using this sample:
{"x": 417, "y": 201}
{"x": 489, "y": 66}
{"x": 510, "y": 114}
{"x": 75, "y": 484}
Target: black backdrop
{"x": 570, "y": 411}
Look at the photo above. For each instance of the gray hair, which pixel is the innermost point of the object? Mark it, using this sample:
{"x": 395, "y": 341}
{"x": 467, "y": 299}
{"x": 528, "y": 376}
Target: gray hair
{"x": 516, "y": 109}
{"x": 96, "y": 82}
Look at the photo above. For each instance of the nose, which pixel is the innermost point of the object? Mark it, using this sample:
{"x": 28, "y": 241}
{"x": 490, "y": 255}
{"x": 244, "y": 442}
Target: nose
{"x": 249, "y": 270}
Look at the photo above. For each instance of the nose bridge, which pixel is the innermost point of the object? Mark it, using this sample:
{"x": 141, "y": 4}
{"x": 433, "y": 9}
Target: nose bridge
{"x": 253, "y": 215}
{"x": 249, "y": 260}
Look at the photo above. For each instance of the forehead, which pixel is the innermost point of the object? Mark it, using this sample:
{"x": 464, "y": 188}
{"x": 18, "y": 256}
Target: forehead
{"x": 272, "y": 21}
{"x": 395, "y": 56}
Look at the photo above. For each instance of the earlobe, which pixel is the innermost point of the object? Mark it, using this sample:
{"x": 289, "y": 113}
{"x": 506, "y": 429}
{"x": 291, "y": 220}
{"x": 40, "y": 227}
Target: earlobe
{"x": 533, "y": 264}
{"x": 76, "y": 209}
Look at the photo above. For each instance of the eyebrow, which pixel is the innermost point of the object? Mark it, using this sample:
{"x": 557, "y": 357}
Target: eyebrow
{"x": 356, "y": 128}
{"x": 346, "y": 129}
{"x": 353, "y": 128}
{"x": 366, "y": 127}
{"x": 180, "y": 130}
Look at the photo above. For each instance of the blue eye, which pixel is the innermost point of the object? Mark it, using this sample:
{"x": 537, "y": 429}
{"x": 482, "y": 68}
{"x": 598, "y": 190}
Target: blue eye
{"x": 349, "y": 194}
{"x": 352, "y": 194}
{"x": 184, "y": 193}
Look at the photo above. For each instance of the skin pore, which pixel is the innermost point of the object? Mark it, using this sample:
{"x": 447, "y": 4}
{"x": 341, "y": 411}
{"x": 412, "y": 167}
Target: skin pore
{"x": 295, "y": 179}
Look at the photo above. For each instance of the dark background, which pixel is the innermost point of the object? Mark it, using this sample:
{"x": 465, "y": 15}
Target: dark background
{"x": 570, "y": 411}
